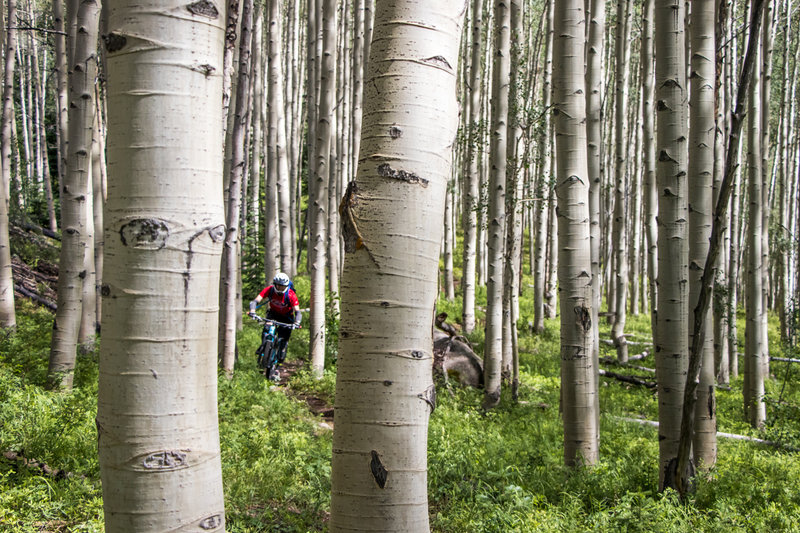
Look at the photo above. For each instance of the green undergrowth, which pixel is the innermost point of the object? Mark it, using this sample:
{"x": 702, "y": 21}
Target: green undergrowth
{"x": 500, "y": 471}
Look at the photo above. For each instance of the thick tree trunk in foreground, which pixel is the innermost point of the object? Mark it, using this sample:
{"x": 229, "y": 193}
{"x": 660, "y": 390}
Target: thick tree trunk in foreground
{"x": 384, "y": 389}
{"x": 578, "y": 371}
{"x": 157, "y": 403}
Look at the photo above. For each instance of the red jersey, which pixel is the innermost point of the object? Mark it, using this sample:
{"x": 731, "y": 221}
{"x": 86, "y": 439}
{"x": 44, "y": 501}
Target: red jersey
{"x": 280, "y": 303}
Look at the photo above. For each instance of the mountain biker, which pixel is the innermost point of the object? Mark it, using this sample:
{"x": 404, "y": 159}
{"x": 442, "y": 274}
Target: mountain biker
{"x": 284, "y": 307}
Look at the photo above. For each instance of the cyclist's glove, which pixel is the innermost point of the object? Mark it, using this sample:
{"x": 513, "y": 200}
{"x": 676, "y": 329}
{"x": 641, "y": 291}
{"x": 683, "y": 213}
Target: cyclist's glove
{"x": 252, "y": 306}
{"x": 297, "y": 316}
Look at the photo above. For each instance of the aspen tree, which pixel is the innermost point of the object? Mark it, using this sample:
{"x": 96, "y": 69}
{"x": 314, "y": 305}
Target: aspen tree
{"x": 319, "y": 205}
{"x": 493, "y": 348}
{"x": 514, "y": 188}
{"x": 392, "y": 215}
{"x": 672, "y": 326}
{"x": 543, "y": 180}
{"x": 278, "y": 164}
{"x": 755, "y": 350}
{"x": 578, "y": 371}
{"x": 702, "y": 128}
{"x": 230, "y": 308}
{"x": 157, "y": 403}
{"x": 74, "y": 196}
{"x": 471, "y": 179}
{"x": 252, "y": 193}
{"x": 620, "y": 231}
{"x": 595, "y": 45}
{"x": 8, "y": 317}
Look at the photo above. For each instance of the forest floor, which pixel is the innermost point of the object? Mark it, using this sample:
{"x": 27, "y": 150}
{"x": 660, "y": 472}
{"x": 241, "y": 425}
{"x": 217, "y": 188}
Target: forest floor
{"x": 500, "y": 471}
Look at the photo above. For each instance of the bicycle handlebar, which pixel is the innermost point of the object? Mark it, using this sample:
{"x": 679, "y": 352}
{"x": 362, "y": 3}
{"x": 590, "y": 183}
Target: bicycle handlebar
{"x": 269, "y": 320}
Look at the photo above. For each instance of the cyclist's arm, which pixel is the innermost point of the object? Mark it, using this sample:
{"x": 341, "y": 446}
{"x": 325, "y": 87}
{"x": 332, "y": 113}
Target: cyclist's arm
{"x": 254, "y": 303}
{"x": 297, "y": 315}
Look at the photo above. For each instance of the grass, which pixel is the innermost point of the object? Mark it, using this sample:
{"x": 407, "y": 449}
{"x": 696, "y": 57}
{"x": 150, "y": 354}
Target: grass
{"x": 498, "y": 471}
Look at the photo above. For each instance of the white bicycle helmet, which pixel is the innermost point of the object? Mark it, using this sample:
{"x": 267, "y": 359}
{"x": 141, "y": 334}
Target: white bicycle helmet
{"x": 281, "y": 279}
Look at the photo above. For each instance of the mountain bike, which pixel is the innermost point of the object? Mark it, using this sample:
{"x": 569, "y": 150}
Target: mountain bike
{"x": 272, "y": 350}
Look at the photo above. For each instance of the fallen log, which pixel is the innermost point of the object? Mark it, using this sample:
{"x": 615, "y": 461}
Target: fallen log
{"x": 628, "y": 379}
{"x": 784, "y": 359}
{"x": 720, "y": 434}
{"x": 610, "y": 361}
{"x": 35, "y": 297}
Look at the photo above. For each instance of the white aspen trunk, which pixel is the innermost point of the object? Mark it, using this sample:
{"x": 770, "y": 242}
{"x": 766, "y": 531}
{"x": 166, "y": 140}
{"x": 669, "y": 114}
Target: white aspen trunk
{"x": 232, "y": 9}
{"x": 230, "y": 309}
{"x": 317, "y": 234}
{"x": 621, "y": 212}
{"x": 257, "y": 117}
{"x": 702, "y": 128}
{"x": 88, "y": 320}
{"x": 74, "y": 195}
{"x": 99, "y": 181}
{"x": 514, "y": 186}
{"x": 449, "y": 282}
{"x": 766, "y": 81}
{"x": 649, "y": 189}
{"x": 359, "y": 60}
{"x": 157, "y": 424}
{"x": 672, "y": 325}
{"x": 635, "y": 251}
{"x": 543, "y": 181}
{"x": 277, "y": 128}
{"x": 578, "y": 372}
{"x": 471, "y": 179}
{"x": 551, "y": 285}
{"x": 60, "y": 55}
{"x": 8, "y": 317}
{"x": 493, "y": 347}
{"x": 719, "y": 301}
{"x": 392, "y": 229}
{"x": 755, "y": 351}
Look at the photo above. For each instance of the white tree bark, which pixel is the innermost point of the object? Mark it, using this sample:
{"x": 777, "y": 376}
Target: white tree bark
{"x": 673, "y": 296}
{"x": 392, "y": 231}
{"x": 74, "y": 198}
{"x": 317, "y": 234}
{"x": 702, "y": 129}
{"x": 621, "y": 211}
{"x": 8, "y": 317}
{"x": 755, "y": 350}
{"x": 594, "y": 139}
{"x": 471, "y": 180}
{"x": 230, "y": 306}
{"x": 493, "y": 346}
{"x": 578, "y": 371}
{"x": 157, "y": 404}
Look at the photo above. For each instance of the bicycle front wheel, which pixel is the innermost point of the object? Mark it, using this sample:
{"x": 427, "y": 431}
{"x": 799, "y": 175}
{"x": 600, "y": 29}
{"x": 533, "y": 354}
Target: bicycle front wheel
{"x": 264, "y": 353}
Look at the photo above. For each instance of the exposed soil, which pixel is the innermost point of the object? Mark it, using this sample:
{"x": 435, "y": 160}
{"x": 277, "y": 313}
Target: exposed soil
{"x": 315, "y": 404}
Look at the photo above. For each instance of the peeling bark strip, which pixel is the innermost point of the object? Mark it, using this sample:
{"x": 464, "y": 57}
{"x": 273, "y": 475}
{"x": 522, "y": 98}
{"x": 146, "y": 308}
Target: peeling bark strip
{"x": 385, "y": 170}
{"x": 350, "y": 234}
{"x": 144, "y": 233}
{"x": 429, "y": 396}
{"x": 114, "y": 42}
{"x": 379, "y": 471}
{"x": 204, "y": 8}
